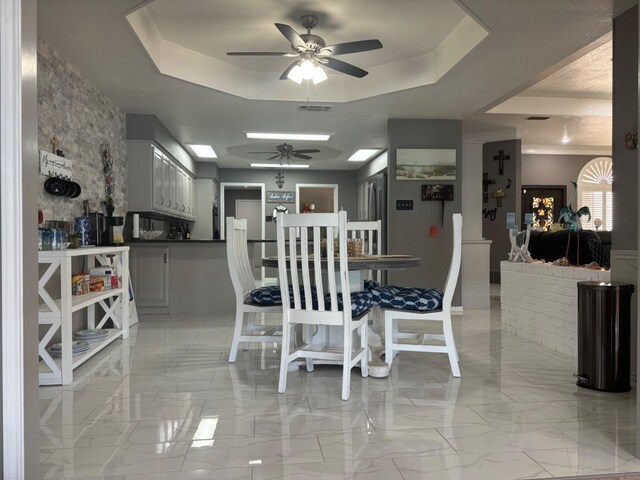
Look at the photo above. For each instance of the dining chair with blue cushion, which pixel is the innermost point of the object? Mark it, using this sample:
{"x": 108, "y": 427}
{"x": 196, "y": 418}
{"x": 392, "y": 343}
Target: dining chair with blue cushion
{"x": 313, "y": 276}
{"x": 244, "y": 285}
{"x": 408, "y": 303}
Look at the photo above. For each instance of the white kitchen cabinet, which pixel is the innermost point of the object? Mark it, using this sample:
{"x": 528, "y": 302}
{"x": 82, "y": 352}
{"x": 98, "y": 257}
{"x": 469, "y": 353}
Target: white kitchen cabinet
{"x": 158, "y": 183}
{"x": 166, "y": 192}
{"x": 55, "y": 313}
{"x": 173, "y": 187}
{"x": 150, "y": 279}
{"x": 156, "y": 195}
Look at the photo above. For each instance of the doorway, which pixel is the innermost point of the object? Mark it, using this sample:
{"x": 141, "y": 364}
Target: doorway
{"x": 249, "y": 198}
{"x": 545, "y": 202}
{"x": 323, "y": 198}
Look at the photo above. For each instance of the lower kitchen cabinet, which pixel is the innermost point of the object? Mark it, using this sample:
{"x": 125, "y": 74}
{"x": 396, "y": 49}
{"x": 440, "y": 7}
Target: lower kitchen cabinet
{"x": 150, "y": 278}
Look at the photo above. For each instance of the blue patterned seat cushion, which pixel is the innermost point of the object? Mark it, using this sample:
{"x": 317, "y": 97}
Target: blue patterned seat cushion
{"x": 266, "y": 296}
{"x": 370, "y": 285}
{"x": 360, "y": 301}
{"x": 407, "y": 298}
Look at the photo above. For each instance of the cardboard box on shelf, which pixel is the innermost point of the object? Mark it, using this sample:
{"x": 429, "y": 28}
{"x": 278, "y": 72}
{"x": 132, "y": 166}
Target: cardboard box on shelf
{"x": 97, "y": 283}
{"x": 80, "y": 284}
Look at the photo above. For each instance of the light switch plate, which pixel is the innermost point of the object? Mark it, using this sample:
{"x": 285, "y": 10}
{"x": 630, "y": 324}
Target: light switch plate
{"x": 404, "y": 204}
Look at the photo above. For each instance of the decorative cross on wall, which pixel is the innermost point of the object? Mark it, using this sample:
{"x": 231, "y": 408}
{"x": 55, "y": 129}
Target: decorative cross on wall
{"x": 485, "y": 187}
{"x": 501, "y": 157}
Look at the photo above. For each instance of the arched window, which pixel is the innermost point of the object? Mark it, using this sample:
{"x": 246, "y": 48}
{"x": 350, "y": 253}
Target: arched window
{"x": 594, "y": 191}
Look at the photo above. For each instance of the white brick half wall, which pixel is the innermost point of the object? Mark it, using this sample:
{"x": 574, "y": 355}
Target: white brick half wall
{"x": 539, "y": 302}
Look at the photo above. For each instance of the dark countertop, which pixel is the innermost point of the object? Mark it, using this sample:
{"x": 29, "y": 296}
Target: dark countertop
{"x": 136, "y": 242}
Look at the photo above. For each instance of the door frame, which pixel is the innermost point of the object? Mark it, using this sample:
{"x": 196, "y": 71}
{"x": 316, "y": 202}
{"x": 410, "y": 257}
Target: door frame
{"x": 335, "y": 187}
{"x": 12, "y": 287}
{"x": 263, "y": 203}
{"x": 522, "y": 187}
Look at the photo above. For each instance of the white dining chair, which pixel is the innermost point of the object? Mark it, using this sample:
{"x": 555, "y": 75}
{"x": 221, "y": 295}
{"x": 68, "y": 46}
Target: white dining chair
{"x": 400, "y": 304}
{"x": 370, "y": 232}
{"x": 244, "y": 284}
{"x": 315, "y": 297}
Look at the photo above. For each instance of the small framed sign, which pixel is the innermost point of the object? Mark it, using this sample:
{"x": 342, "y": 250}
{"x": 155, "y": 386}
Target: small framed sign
{"x": 53, "y": 165}
{"x": 281, "y": 197}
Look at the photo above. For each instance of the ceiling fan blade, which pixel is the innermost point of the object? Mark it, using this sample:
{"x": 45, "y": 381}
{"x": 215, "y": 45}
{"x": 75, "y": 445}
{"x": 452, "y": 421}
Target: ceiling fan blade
{"x": 286, "y": 72}
{"x": 352, "y": 47}
{"x": 298, "y": 155}
{"x": 290, "y": 34}
{"x": 312, "y": 150}
{"x": 344, "y": 67}
{"x": 258, "y": 54}
{"x": 275, "y": 156}
{"x": 271, "y": 153}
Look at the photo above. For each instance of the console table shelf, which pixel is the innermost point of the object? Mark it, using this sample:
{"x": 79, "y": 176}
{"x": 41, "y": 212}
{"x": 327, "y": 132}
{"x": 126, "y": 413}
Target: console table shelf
{"x": 56, "y": 314}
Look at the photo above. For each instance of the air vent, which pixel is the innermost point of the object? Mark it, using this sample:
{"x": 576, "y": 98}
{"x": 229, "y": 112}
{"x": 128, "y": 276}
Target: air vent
{"x": 314, "y": 108}
{"x": 538, "y": 118}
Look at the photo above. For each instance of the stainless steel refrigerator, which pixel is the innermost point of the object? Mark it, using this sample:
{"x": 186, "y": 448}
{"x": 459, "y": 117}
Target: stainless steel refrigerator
{"x": 372, "y": 202}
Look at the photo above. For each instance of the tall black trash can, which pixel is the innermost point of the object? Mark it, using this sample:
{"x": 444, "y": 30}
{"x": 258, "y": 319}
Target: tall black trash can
{"x": 604, "y": 318}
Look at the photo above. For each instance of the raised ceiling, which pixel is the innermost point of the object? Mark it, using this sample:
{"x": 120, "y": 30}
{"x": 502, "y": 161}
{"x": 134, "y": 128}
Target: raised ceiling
{"x": 418, "y": 50}
{"x": 96, "y": 37}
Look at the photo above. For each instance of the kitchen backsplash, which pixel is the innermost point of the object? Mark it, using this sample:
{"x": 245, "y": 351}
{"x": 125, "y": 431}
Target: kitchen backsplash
{"x": 74, "y": 111}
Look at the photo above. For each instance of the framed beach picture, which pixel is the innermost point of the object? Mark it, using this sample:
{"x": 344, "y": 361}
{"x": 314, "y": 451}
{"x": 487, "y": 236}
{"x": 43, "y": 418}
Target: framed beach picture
{"x": 425, "y": 164}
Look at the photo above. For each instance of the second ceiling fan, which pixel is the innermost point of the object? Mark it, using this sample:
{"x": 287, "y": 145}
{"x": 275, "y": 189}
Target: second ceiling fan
{"x": 284, "y": 151}
{"x": 312, "y": 51}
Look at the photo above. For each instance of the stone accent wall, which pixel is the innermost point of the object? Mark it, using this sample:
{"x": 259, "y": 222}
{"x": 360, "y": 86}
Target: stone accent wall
{"x": 74, "y": 111}
{"x": 540, "y": 302}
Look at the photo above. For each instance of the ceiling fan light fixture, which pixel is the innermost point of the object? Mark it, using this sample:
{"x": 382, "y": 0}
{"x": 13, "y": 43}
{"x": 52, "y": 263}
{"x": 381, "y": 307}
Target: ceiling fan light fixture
{"x": 319, "y": 75}
{"x": 296, "y": 74}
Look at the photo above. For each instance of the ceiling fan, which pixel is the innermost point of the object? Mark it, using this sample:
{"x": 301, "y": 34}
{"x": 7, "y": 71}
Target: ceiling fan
{"x": 312, "y": 51}
{"x": 286, "y": 151}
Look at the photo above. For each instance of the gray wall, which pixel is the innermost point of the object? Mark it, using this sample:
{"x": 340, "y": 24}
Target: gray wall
{"x": 74, "y": 111}
{"x": 496, "y": 230}
{"x": 554, "y": 170}
{"x": 149, "y": 127}
{"x": 625, "y": 119}
{"x": 407, "y": 231}
{"x": 207, "y": 170}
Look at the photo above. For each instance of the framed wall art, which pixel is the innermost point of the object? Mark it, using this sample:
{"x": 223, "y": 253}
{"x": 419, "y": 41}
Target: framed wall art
{"x": 425, "y": 164}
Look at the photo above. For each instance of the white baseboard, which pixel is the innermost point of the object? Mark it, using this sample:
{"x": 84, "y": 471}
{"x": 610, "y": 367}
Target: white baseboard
{"x": 456, "y": 310}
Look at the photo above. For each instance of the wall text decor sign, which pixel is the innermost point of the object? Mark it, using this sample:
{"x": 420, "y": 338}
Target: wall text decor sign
{"x": 281, "y": 197}
{"x": 53, "y": 165}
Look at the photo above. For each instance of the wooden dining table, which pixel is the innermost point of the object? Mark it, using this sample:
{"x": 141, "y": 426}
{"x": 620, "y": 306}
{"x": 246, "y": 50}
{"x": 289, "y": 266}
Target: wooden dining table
{"x": 364, "y": 262}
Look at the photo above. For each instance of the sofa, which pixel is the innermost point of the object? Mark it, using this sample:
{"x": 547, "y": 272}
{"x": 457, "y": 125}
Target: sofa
{"x": 550, "y": 246}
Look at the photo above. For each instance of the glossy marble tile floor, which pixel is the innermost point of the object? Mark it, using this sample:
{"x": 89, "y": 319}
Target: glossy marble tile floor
{"x": 165, "y": 404}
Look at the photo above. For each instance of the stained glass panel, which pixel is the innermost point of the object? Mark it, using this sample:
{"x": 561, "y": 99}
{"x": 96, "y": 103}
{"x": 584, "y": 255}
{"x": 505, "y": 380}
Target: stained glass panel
{"x": 542, "y": 212}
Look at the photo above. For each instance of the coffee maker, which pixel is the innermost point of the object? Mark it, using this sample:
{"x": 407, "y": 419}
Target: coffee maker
{"x": 99, "y": 231}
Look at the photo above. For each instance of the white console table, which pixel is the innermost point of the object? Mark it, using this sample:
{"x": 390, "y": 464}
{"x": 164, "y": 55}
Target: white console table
{"x": 57, "y": 313}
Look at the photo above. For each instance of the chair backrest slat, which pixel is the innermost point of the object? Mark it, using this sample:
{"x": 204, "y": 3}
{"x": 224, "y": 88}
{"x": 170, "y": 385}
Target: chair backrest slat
{"x": 456, "y": 259}
{"x": 238, "y": 257}
{"x": 317, "y": 273}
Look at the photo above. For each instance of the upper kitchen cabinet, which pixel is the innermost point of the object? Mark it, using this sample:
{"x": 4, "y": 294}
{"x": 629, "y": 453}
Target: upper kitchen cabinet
{"x": 158, "y": 183}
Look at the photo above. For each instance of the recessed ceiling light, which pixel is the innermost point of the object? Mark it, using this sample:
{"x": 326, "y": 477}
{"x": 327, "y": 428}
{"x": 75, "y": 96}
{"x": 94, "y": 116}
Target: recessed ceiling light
{"x": 363, "y": 154}
{"x": 277, "y": 165}
{"x": 565, "y": 138}
{"x": 318, "y": 137}
{"x": 203, "y": 151}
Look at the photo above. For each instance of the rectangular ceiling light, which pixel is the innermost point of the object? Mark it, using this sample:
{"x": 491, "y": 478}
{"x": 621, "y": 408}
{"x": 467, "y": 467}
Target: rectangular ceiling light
{"x": 317, "y": 137}
{"x": 203, "y": 151}
{"x": 363, "y": 154}
{"x": 277, "y": 165}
